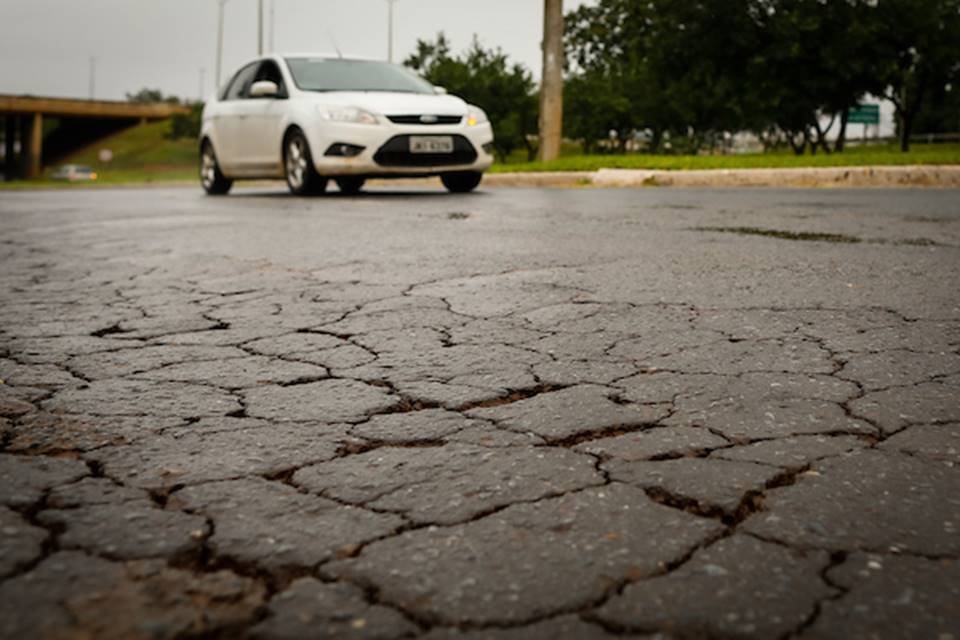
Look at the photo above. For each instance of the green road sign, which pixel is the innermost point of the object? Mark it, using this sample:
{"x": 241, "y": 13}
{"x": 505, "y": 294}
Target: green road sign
{"x": 865, "y": 114}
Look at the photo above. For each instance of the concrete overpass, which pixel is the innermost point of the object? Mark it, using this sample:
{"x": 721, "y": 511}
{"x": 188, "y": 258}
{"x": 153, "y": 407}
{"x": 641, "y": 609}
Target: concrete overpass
{"x": 80, "y": 122}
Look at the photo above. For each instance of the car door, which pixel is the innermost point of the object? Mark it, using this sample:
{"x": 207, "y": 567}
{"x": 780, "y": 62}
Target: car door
{"x": 229, "y": 118}
{"x": 262, "y": 124}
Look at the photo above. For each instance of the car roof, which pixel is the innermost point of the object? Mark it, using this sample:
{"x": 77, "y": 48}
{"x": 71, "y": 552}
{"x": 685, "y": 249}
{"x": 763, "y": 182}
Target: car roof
{"x": 320, "y": 56}
{"x": 328, "y": 56}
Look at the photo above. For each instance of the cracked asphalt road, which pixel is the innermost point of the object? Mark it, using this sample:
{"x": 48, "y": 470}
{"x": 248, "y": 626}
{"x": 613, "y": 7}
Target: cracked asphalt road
{"x": 519, "y": 414}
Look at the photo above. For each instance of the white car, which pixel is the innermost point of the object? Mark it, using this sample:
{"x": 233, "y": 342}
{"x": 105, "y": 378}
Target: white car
{"x": 310, "y": 119}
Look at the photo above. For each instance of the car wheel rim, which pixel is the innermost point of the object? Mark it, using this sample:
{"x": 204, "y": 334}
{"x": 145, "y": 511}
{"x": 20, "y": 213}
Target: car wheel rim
{"x": 208, "y": 169}
{"x": 296, "y": 163}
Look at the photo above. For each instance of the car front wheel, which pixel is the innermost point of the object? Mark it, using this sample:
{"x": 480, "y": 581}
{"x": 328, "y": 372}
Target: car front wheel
{"x": 302, "y": 178}
{"x": 212, "y": 179}
{"x": 462, "y": 181}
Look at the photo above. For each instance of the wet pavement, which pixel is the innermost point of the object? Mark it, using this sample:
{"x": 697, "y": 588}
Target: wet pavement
{"x": 518, "y": 414}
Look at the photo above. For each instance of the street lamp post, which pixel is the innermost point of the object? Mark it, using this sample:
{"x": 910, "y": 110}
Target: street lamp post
{"x": 93, "y": 77}
{"x": 221, "y": 4}
{"x": 273, "y": 18}
{"x": 390, "y": 4}
{"x": 259, "y": 27}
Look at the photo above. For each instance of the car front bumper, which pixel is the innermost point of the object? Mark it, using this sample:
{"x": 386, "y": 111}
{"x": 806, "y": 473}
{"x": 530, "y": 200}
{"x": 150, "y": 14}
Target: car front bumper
{"x": 385, "y": 149}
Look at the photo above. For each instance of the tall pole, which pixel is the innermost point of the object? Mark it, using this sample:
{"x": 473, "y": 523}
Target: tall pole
{"x": 10, "y": 163}
{"x": 551, "y": 86}
{"x": 93, "y": 77}
{"x": 273, "y": 20}
{"x": 390, "y": 4}
{"x": 220, "y": 40}
{"x": 203, "y": 72}
{"x": 32, "y": 137}
{"x": 259, "y": 27}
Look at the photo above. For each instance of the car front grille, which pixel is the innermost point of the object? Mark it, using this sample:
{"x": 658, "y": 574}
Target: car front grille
{"x": 425, "y": 119}
{"x": 396, "y": 153}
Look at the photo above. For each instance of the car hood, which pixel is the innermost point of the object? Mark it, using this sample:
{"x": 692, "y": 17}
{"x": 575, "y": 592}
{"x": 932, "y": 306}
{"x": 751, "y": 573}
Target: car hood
{"x": 392, "y": 104}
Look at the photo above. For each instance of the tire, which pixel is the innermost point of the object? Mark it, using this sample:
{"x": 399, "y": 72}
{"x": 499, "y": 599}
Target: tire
{"x": 212, "y": 179}
{"x": 350, "y": 185}
{"x": 462, "y": 181}
{"x": 302, "y": 178}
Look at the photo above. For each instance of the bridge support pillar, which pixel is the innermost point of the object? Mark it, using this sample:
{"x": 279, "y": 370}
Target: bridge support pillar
{"x": 33, "y": 145}
{"x": 10, "y": 169}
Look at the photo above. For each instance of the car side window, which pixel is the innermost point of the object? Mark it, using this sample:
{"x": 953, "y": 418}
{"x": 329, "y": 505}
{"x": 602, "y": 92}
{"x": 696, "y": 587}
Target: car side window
{"x": 270, "y": 71}
{"x": 241, "y": 82}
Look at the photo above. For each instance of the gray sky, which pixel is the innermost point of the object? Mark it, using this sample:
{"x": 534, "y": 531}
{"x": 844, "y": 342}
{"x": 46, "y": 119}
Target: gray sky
{"x": 46, "y": 45}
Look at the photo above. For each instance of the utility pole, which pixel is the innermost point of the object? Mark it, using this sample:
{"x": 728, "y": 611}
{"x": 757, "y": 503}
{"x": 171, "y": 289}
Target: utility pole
{"x": 551, "y": 84}
{"x": 92, "y": 88}
{"x": 390, "y": 4}
{"x": 203, "y": 72}
{"x": 273, "y": 20}
{"x": 221, "y": 3}
{"x": 259, "y": 27}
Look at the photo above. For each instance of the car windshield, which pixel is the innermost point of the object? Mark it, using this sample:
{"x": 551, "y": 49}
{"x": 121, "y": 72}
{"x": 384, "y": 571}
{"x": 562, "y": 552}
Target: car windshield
{"x": 328, "y": 74}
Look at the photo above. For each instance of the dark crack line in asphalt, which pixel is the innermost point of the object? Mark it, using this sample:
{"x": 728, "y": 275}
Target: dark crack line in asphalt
{"x": 877, "y": 551}
{"x": 510, "y": 397}
{"x": 837, "y": 558}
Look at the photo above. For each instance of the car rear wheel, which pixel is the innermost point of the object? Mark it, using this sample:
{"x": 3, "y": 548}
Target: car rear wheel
{"x": 302, "y": 178}
{"x": 462, "y": 181}
{"x": 212, "y": 179}
{"x": 351, "y": 185}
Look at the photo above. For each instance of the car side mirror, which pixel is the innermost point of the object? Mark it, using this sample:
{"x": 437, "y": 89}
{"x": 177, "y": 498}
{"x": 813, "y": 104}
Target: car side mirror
{"x": 264, "y": 89}
{"x": 440, "y": 91}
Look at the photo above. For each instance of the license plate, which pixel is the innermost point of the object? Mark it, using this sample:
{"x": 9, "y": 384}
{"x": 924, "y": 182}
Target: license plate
{"x": 431, "y": 144}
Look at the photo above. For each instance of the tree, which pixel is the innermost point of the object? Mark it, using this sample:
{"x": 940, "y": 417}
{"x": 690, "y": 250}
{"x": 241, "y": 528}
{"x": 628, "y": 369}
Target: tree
{"x": 672, "y": 66}
{"x": 849, "y": 33}
{"x": 808, "y": 65}
{"x": 610, "y": 85}
{"x": 918, "y": 46}
{"x": 151, "y": 96}
{"x": 699, "y": 68}
{"x": 700, "y": 52}
{"x": 786, "y": 69}
{"x": 186, "y": 125}
{"x": 941, "y": 112}
{"x": 487, "y": 79}
{"x": 594, "y": 105}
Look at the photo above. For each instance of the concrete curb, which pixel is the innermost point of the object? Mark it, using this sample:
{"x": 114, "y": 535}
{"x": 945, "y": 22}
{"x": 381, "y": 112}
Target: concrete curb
{"x": 541, "y": 179}
{"x": 882, "y": 176}
{"x": 942, "y": 176}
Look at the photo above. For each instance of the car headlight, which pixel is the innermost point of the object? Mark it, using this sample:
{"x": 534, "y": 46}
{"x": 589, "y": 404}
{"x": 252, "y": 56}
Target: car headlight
{"x": 475, "y": 116}
{"x": 353, "y": 115}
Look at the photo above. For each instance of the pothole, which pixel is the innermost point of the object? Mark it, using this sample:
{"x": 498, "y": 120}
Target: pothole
{"x": 813, "y": 236}
{"x": 802, "y": 236}
{"x": 108, "y": 331}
